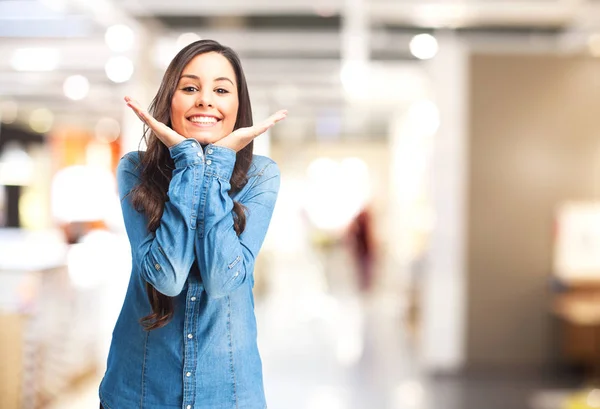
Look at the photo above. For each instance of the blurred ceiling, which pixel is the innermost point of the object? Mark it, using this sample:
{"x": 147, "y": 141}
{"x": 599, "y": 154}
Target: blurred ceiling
{"x": 292, "y": 50}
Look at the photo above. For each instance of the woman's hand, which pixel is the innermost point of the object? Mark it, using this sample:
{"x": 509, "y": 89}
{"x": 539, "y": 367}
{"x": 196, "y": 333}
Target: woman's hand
{"x": 239, "y": 138}
{"x": 168, "y": 136}
{"x": 236, "y": 140}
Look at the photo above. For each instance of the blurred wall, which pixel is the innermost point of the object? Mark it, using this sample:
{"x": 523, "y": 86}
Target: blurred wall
{"x": 534, "y": 142}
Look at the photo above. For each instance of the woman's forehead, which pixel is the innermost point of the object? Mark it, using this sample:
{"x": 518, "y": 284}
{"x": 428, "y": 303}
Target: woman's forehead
{"x": 209, "y": 66}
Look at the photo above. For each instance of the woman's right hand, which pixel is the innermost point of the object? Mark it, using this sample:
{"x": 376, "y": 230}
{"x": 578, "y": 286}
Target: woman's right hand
{"x": 167, "y": 135}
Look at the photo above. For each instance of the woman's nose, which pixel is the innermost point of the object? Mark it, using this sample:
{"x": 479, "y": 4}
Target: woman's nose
{"x": 204, "y": 99}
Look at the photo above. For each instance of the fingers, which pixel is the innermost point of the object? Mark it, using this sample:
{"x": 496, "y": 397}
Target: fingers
{"x": 276, "y": 117}
{"x": 270, "y": 121}
{"x": 144, "y": 115}
{"x": 137, "y": 109}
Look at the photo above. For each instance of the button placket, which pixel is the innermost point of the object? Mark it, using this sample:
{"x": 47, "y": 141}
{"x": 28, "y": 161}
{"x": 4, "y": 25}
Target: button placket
{"x": 190, "y": 346}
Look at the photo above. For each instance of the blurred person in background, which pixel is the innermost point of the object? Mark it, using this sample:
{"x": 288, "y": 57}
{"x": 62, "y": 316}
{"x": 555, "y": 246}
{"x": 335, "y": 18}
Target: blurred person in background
{"x": 196, "y": 204}
{"x": 362, "y": 248}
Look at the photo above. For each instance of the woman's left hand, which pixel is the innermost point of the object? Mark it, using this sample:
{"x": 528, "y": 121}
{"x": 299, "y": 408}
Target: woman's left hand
{"x": 239, "y": 138}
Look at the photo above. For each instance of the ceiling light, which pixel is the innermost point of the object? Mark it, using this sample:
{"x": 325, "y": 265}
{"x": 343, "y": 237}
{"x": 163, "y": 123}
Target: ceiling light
{"x": 119, "y": 38}
{"x": 424, "y": 46}
{"x": 119, "y": 69}
{"x": 76, "y": 87}
{"x": 41, "y": 120}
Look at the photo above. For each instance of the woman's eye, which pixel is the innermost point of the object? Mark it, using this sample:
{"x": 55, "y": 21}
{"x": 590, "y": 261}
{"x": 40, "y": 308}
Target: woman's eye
{"x": 190, "y": 89}
{"x": 222, "y": 91}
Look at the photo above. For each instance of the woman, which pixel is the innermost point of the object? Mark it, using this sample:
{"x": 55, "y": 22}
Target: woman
{"x": 196, "y": 205}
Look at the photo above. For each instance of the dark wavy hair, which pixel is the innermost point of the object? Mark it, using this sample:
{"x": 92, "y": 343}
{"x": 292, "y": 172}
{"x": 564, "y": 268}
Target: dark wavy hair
{"x": 157, "y": 165}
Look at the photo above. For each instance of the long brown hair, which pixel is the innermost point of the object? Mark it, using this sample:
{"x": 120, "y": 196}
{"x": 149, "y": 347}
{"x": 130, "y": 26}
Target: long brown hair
{"x": 157, "y": 165}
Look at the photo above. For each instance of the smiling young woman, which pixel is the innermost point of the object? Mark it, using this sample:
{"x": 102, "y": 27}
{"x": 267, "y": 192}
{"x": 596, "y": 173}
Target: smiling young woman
{"x": 205, "y": 104}
{"x": 197, "y": 205}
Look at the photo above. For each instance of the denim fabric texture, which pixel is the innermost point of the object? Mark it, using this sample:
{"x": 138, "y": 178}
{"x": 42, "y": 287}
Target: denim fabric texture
{"x": 207, "y": 356}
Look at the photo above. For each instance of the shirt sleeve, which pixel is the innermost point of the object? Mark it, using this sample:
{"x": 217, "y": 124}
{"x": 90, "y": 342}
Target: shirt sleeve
{"x": 226, "y": 261}
{"x": 164, "y": 257}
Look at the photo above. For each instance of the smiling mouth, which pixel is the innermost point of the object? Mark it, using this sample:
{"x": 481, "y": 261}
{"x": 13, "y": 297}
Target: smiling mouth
{"x": 204, "y": 121}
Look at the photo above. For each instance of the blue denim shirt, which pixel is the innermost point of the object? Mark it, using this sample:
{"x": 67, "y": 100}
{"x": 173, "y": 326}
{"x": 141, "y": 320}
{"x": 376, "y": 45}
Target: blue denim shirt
{"x": 207, "y": 356}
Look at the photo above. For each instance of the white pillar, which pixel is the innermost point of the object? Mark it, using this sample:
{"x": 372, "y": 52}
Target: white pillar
{"x": 355, "y": 49}
{"x": 444, "y": 292}
{"x": 355, "y": 31}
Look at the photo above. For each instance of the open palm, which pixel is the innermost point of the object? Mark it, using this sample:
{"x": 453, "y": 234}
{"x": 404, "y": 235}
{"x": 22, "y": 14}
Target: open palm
{"x": 236, "y": 140}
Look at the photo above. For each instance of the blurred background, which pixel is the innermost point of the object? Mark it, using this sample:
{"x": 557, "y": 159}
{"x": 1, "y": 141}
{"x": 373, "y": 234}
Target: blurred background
{"x": 436, "y": 241}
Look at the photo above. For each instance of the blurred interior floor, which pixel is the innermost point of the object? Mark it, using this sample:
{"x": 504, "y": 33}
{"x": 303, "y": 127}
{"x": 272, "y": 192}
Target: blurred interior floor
{"x": 325, "y": 346}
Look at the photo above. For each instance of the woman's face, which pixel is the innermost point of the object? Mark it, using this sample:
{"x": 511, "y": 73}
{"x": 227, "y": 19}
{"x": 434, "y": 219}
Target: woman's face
{"x": 205, "y": 104}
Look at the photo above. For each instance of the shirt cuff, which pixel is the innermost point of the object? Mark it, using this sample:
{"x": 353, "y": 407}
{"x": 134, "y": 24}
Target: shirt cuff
{"x": 219, "y": 161}
{"x": 186, "y": 153}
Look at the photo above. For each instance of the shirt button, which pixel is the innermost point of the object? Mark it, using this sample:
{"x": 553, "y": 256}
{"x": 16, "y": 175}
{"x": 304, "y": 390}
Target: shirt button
{"x": 188, "y": 407}
{"x": 157, "y": 266}
{"x": 209, "y": 151}
{"x": 208, "y": 162}
{"x": 190, "y": 336}
{"x": 200, "y": 154}
{"x": 188, "y": 374}
{"x": 193, "y": 298}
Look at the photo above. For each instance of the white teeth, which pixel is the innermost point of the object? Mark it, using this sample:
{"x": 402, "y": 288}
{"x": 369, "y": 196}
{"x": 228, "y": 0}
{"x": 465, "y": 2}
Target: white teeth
{"x": 203, "y": 120}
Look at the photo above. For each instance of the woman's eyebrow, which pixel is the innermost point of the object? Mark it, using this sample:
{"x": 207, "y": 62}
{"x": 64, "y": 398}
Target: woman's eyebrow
{"x": 192, "y": 76}
{"x": 195, "y": 77}
{"x": 224, "y": 79}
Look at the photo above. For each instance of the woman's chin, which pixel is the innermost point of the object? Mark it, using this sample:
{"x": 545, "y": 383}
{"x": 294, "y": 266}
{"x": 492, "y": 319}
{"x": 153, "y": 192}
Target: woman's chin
{"x": 205, "y": 138}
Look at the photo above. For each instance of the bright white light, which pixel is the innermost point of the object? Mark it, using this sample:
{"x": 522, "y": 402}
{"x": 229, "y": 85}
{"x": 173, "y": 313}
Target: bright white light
{"x": 41, "y": 120}
{"x": 424, "y": 46}
{"x": 355, "y": 79}
{"x": 119, "y": 69}
{"x": 424, "y": 117}
{"x": 8, "y": 111}
{"x": 356, "y": 169}
{"x": 35, "y": 59}
{"x": 87, "y": 263}
{"x": 349, "y": 330}
{"x": 83, "y": 272}
{"x": 119, "y": 38}
{"x": 16, "y": 166}
{"x": 82, "y": 193}
{"x": 335, "y": 194}
{"x": 186, "y": 39}
{"x": 321, "y": 167}
{"x": 76, "y": 87}
{"x": 107, "y": 130}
